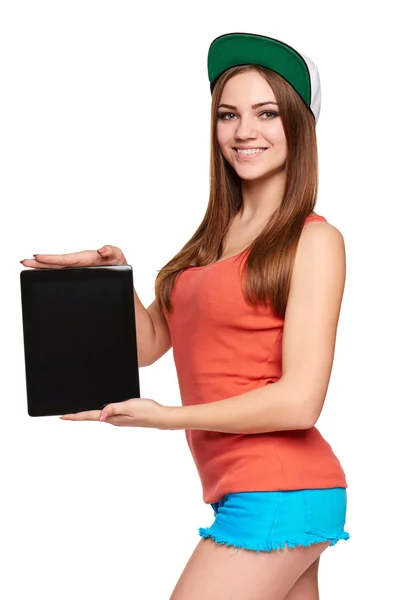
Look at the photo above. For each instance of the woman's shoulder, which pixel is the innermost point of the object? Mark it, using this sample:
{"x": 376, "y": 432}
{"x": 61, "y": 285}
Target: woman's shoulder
{"x": 319, "y": 223}
{"x": 321, "y": 229}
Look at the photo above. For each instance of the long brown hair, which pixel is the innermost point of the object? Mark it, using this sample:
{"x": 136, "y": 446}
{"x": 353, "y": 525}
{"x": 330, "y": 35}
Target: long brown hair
{"x": 269, "y": 264}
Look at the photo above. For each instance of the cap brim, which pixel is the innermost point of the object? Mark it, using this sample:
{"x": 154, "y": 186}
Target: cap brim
{"x": 235, "y": 49}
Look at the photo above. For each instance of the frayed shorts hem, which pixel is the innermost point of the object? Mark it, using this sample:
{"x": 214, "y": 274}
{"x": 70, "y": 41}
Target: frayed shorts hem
{"x": 272, "y": 544}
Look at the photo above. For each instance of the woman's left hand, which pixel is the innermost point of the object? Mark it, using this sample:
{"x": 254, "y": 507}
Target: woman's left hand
{"x": 136, "y": 412}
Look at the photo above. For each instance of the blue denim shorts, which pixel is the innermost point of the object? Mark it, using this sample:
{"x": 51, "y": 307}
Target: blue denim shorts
{"x": 266, "y": 521}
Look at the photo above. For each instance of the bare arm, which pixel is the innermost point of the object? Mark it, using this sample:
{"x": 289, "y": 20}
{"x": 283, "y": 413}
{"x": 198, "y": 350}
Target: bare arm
{"x": 153, "y": 335}
{"x": 312, "y": 314}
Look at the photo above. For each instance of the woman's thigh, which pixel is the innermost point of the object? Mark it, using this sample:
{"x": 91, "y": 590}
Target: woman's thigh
{"x": 306, "y": 587}
{"x": 220, "y": 571}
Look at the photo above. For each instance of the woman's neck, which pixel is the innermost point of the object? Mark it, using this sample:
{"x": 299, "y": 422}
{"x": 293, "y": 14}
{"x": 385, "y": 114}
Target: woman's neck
{"x": 261, "y": 197}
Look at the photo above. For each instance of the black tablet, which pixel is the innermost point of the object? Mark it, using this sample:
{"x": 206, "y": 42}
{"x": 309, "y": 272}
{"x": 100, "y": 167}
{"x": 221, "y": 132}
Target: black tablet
{"x": 79, "y": 338}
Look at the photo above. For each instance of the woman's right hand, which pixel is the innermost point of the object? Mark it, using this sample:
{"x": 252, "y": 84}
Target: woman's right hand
{"x": 107, "y": 255}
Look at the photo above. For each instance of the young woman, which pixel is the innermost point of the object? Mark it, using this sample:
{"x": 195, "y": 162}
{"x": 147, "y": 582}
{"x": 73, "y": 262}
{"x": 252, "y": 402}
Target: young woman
{"x": 250, "y": 306}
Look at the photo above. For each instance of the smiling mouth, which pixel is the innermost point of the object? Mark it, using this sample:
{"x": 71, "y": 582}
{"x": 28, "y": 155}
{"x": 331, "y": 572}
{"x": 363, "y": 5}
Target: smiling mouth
{"x": 249, "y": 151}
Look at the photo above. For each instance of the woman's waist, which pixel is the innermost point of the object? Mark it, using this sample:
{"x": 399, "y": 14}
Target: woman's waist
{"x": 299, "y": 449}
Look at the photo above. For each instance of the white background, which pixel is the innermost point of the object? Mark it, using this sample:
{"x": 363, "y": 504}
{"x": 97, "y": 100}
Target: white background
{"x": 104, "y": 110}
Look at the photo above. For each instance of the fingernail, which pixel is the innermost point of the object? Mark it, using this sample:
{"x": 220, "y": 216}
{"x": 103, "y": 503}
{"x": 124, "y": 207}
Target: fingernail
{"x": 102, "y": 250}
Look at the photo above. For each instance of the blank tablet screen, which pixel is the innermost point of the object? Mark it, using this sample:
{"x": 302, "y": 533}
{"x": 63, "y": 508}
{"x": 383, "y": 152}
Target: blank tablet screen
{"x": 79, "y": 338}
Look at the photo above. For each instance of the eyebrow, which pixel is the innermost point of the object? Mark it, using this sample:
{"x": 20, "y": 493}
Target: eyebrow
{"x": 254, "y": 106}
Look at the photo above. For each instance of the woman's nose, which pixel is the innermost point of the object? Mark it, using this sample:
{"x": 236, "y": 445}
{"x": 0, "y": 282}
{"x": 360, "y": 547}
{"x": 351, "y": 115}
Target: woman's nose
{"x": 245, "y": 129}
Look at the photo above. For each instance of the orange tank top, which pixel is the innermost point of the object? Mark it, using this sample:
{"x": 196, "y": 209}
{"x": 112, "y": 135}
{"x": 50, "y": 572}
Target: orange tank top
{"x": 224, "y": 347}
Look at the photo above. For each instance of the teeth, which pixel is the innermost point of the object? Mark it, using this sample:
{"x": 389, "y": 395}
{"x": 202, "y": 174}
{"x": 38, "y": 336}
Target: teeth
{"x": 250, "y": 151}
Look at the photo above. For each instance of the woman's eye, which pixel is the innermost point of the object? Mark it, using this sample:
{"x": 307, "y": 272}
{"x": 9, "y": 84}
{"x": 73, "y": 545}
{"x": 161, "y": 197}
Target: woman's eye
{"x": 271, "y": 114}
{"x": 226, "y": 116}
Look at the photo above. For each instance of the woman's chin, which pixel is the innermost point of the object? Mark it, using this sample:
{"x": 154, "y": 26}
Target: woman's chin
{"x": 248, "y": 175}
{"x": 251, "y": 174}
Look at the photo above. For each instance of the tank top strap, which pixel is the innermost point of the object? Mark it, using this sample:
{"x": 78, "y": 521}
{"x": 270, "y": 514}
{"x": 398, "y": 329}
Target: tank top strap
{"x": 314, "y": 218}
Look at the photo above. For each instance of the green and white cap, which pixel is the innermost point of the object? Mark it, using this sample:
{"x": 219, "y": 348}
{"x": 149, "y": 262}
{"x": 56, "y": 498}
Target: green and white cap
{"x": 235, "y": 49}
